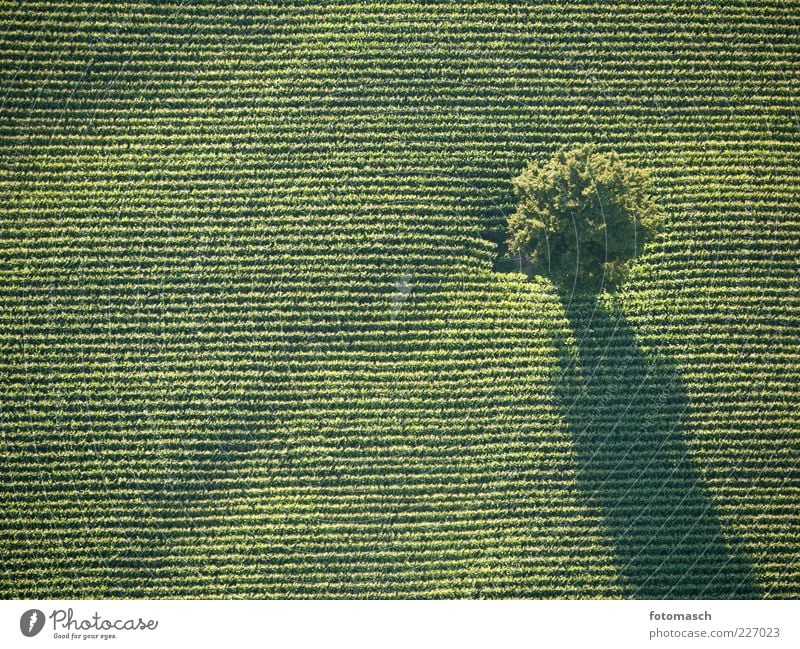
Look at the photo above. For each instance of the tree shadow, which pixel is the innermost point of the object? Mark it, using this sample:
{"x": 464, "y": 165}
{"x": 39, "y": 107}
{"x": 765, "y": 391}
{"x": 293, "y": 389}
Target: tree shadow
{"x": 626, "y": 414}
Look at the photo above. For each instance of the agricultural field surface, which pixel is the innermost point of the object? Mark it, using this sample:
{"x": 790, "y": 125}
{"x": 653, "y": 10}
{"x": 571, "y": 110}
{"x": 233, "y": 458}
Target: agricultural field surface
{"x": 258, "y": 337}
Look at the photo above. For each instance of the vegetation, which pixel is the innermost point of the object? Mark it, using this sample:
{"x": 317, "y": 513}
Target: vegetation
{"x": 582, "y": 216}
{"x": 251, "y": 342}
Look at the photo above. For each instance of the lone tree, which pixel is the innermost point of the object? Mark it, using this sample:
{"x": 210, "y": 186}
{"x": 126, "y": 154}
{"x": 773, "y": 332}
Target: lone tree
{"x": 581, "y": 217}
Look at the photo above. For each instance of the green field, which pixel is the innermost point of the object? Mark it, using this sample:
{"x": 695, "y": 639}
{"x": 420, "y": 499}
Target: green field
{"x": 254, "y": 340}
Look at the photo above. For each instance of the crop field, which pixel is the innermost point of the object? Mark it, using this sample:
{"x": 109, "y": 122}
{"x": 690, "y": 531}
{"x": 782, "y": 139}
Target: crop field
{"x": 257, "y": 340}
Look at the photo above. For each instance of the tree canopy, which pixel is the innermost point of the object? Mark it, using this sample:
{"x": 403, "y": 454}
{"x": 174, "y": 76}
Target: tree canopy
{"x": 581, "y": 217}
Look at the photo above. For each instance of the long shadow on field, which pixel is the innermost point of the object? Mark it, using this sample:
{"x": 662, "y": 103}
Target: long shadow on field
{"x": 626, "y": 417}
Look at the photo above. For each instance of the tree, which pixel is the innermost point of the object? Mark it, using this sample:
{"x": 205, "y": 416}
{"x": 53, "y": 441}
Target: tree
{"x": 581, "y": 217}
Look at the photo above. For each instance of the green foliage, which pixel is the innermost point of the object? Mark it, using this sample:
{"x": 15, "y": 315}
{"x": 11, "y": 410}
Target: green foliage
{"x": 582, "y": 216}
{"x": 219, "y": 381}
